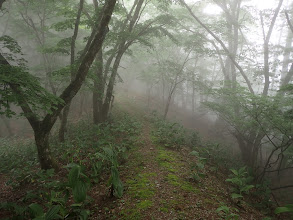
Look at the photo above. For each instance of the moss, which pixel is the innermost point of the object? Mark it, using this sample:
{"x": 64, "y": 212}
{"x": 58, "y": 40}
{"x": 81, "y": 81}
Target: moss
{"x": 132, "y": 214}
{"x": 167, "y": 160}
{"x": 173, "y": 179}
{"x": 144, "y": 204}
{"x": 165, "y": 206}
{"x": 174, "y": 202}
{"x": 188, "y": 187}
{"x": 164, "y": 155}
{"x": 164, "y": 209}
{"x": 140, "y": 187}
{"x": 176, "y": 181}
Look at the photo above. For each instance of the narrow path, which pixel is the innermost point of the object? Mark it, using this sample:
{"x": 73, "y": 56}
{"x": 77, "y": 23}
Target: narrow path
{"x": 159, "y": 185}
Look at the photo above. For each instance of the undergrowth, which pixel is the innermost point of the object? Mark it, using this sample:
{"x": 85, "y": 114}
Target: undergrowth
{"x": 90, "y": 151}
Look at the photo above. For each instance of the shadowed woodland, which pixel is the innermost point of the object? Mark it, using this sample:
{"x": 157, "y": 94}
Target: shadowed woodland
{"x": 146, "y": 109}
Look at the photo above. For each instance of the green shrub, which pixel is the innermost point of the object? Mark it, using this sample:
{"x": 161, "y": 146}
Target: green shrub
{"x": 240, "y": 180}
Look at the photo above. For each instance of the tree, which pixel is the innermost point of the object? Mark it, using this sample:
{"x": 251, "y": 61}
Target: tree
{"x": 72, "y": 71}
{"x": 250, "y": 138}
{"x": 42, "y": 127}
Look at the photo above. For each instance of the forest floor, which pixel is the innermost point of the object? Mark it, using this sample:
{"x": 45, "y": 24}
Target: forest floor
{"x": 158, "y": 183}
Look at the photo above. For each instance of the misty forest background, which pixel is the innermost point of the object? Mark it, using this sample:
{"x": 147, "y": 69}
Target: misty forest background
{"x": 124, "y": 97}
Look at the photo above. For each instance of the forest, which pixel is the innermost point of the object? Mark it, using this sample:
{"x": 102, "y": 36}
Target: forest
{"x": 146, "y": 109}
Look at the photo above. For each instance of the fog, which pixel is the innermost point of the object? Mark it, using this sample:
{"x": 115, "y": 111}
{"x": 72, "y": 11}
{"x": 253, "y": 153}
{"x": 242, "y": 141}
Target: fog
{"x": 219, "y": 70}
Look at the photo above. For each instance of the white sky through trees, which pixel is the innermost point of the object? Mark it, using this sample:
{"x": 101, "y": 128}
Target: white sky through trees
{"x": 260, "y": 4}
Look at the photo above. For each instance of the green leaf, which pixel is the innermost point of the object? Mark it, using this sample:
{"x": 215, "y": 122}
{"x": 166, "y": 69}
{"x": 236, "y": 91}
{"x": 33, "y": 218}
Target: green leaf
{"x": 246, "y": 188}
{"x": 225, "y": 209}
{"x": 194, "y": 153}
{"x": 84, "y": 214}
{"x": 76, "y": 205}
{"x": 73, "y": 176}
{"x": 235, "y": 172}
{"x": 200, "y": 166}
{"x": 117, "y": 184}
{"x": 53, "y": 213}
{"x": 79, "y": 191}
{"x": 287, "y": 208}
{"x": 36, "y": 209}
{"x": 236, "y": 196}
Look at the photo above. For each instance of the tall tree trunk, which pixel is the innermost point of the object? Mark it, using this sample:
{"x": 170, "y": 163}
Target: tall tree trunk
{"x": 43, "y": 147}
{"x": 193, "y": 95}
{"x": 66, "y": 110}
{"x": 109, "y": 92}
{"x": 266, "y": 38}
{"x": 98, "y": 93}
{"x": 286, "y": 55}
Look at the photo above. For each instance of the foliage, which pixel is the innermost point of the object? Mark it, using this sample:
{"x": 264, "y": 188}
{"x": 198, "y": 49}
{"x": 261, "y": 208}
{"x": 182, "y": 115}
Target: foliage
{"x": 227, "y": 212}
{"x": 263, "y": 192}
{"x": 240, "y": 180}
{"x": 168, "y": 134}
{"x": 285, "y": 209}
{"x": 28, "y": 86}
{"x": 90, "y": 152}
{"x": 55, "y": 202}
{"x": 116, "y": 184}
{"x": 199, "y": 166}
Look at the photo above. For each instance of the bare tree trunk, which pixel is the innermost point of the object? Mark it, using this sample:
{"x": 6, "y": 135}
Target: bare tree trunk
{"x": 109, "y": 93}
{"x": 168, "y": 103}
{"x": 286, "y": 59}
{"x": 43, "y": 147}
{"x": 98, "y": 93}
{"x": 266, "y": 38}
{"x": 193, "y": 95}
{"x": 66, "y": 110}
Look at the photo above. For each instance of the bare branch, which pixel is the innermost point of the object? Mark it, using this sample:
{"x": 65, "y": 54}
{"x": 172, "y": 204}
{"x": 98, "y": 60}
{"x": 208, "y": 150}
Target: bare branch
{"x": 282, "y": 187}
{"x": 288, "y": 21}
{"x": 229, "y": 54}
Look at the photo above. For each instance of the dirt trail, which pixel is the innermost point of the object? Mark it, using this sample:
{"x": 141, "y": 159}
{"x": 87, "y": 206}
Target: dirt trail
{"x": 158, "y": 185}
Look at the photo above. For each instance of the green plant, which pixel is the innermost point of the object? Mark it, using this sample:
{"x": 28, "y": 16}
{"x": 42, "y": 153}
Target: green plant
{"x": 110, "y": 155}
{"x": 240, "y": 181}
{"x": 39, "y": 214}
{"x": 264, "y": 192}
{"x": 285, "y": 209}
{"x": 169, "y": 134}
{"x": 78, "y": 182}
{"x": 193, "y": 139}
{"x": 227, "y": 212}
{"x": 198, "y": 166}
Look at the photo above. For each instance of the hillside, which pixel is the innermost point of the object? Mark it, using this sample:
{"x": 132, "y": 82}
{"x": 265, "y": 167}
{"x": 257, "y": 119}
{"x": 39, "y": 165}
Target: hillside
{"x": 165, "y": 171}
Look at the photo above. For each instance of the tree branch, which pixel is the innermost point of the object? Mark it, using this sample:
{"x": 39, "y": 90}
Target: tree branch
{"x": 282, "y": 187}
{"x": 88, "y": 58}
{"x": 288, "y": 21}
{"x": 222, "y": 44}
